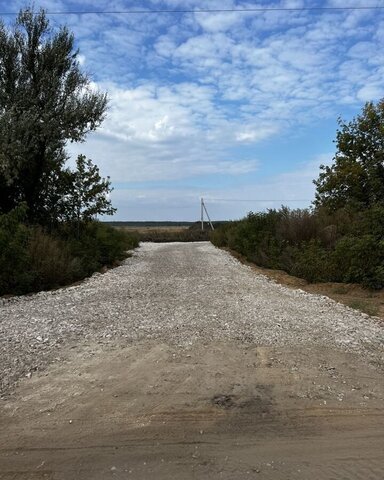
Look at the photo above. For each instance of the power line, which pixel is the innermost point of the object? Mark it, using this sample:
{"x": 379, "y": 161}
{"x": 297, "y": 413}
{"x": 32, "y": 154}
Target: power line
{"x": 218, "y": 10}
{"x": 259, "y": 200}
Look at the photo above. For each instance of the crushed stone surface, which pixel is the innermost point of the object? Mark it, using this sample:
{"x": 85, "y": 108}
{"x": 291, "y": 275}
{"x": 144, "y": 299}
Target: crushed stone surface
{"x": 179, "y": 293}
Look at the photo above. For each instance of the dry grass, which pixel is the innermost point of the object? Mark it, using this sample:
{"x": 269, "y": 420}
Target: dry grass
{"x": 161, "y": 234}
{"x": 151, "y": 230}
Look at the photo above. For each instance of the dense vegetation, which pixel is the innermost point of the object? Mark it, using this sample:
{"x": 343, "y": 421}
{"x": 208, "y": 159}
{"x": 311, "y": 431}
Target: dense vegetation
{"x": 341, "y": 238}
{"x": 48, "y": 233}
{"x": 345, "y": 246}
{"x": 33, "y": 259}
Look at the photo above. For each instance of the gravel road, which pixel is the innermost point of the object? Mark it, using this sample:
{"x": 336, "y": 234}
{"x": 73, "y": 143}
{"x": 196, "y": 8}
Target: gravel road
{"x": 184, "y": 363}
{"x": 181, "y": 294}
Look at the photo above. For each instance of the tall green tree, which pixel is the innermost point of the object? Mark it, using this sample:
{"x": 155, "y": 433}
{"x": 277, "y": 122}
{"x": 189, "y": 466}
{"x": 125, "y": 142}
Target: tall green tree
{"x": 356, "y": 178}
{"x": 89, "y": 193}
{"x": 45, "y": 101}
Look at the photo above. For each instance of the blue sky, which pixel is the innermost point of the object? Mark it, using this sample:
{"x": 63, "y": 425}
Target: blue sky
{"x": 238, "y": 108}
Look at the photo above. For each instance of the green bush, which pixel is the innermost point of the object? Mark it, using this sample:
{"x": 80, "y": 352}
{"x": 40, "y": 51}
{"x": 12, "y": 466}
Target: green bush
{"x": 50, "y": 261}
{"x": 32, "y": 259}
{"x": 345, "y": 246}
{"x": 360, "y": 260}
{"x": 97, "y": 244}
{"x": 312, "y": 262}
{"x": 15, "y": 274}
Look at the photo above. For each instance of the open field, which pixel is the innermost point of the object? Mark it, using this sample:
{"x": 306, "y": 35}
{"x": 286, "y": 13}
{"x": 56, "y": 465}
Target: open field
{"x": 153, "y": 225}
{"x": 148, "y": 229}
{"x": 168, "y": 233}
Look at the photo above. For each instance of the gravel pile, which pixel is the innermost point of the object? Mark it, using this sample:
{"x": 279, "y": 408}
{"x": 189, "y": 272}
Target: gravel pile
{"x": 178, "y": 293}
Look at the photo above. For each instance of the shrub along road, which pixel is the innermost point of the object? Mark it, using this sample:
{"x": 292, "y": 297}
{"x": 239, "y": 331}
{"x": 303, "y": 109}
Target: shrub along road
{"x": 184, "y": 363}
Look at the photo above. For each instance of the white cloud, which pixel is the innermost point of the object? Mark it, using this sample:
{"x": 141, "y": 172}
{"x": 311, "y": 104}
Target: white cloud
{"x": 164, "y": 133}
{"x": 371, "y": 92}
{"x": 361, "y": 50}
{"x": 219, "y": 22}
{"x": 255, "y": 134}
{"x": 81, "y": 59}
{"x": 294, "y": 189}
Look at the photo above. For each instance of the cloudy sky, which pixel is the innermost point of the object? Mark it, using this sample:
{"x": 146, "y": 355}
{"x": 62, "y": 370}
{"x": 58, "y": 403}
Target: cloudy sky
{"x": 237, "y": 107}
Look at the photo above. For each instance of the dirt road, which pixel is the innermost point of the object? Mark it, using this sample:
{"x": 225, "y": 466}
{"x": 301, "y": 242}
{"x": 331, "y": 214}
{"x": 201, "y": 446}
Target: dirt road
{"x": 185, "y": 364}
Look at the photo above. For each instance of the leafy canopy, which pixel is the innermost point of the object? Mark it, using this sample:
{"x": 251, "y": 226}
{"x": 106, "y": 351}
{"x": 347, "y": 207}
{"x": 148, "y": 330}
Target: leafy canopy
{"x": 356, "y": 178}
{"x": 89, "y": 192}
{"x": 45, "y": 101}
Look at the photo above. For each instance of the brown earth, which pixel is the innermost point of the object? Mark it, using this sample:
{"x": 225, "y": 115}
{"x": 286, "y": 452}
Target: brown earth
{"x": 220, "y": 410}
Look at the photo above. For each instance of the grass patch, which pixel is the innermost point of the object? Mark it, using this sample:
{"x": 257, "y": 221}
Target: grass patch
{"x": 341, "y": 290}
{"x": 365, "y": 307}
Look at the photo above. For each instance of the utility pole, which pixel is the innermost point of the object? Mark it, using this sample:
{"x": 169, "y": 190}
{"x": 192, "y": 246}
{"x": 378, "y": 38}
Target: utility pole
{"x": 204, "y": 209}
{"x": 202, "y": 214}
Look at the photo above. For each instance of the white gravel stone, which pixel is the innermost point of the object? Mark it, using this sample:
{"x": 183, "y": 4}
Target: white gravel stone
{"x": 179, "y": 293}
